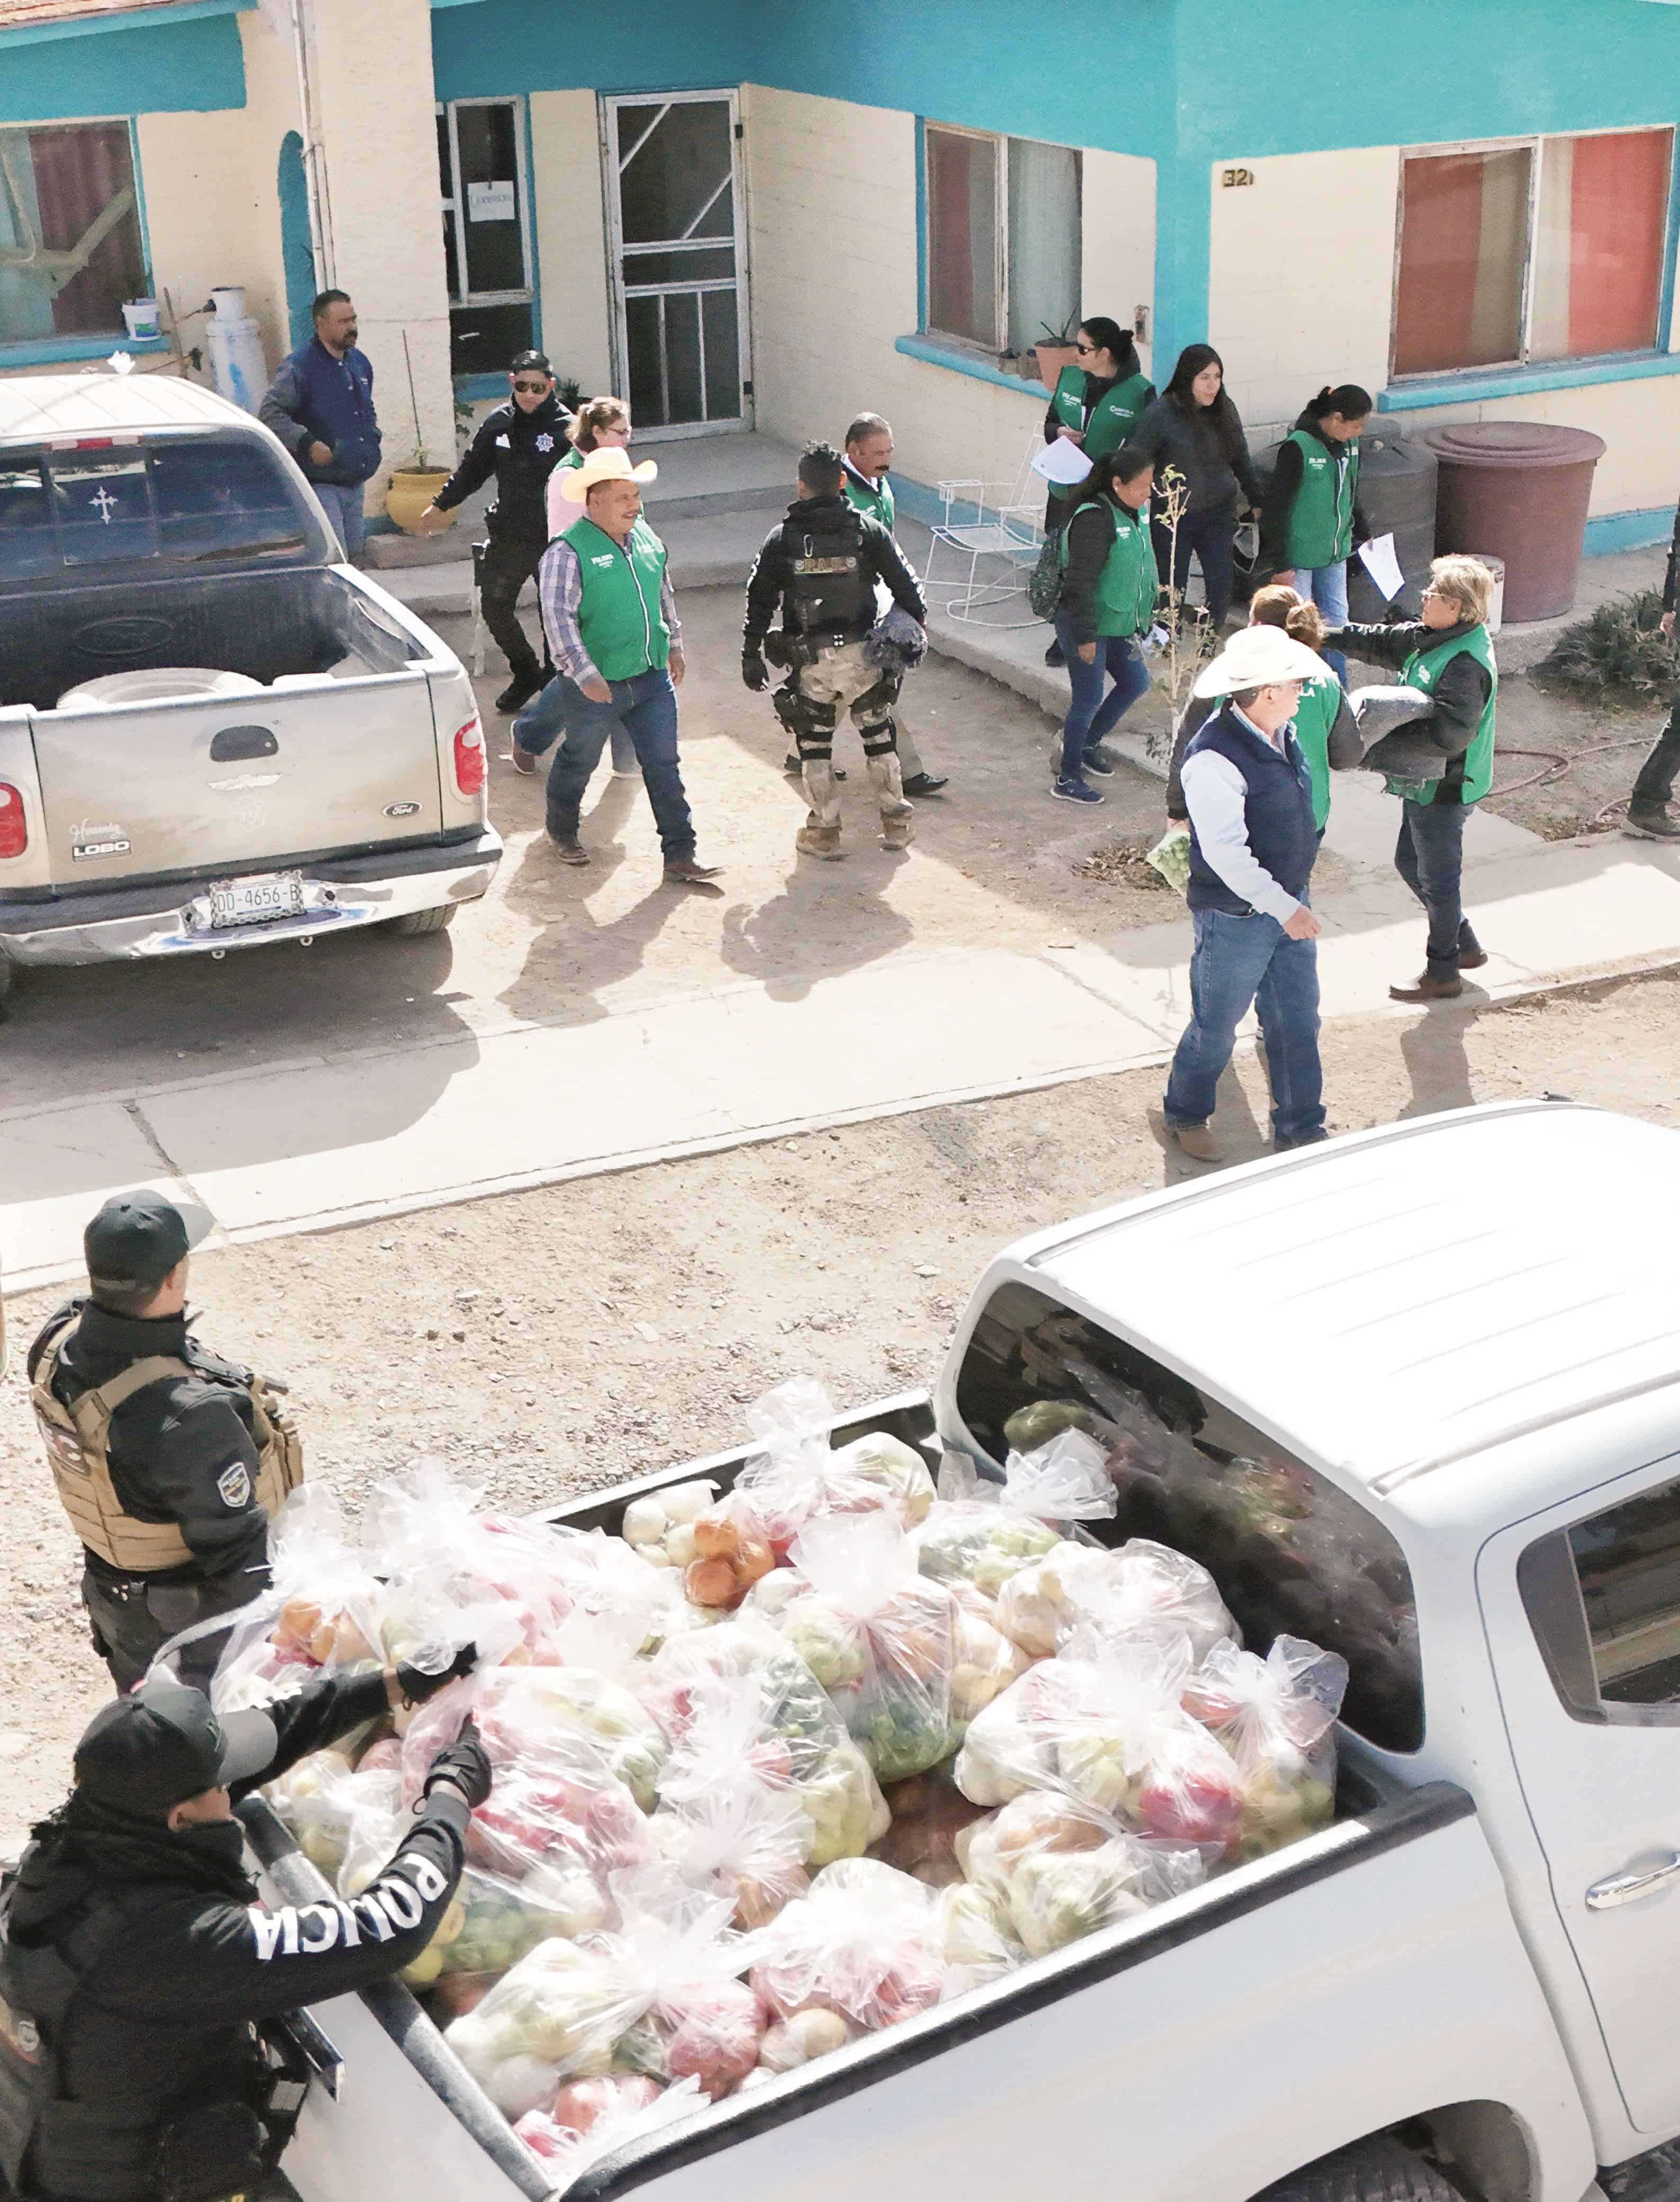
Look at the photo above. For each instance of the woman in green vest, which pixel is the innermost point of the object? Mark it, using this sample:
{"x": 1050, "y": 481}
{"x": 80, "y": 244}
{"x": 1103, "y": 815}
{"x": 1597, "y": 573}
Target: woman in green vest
{"x": 1311, "y": 523}
{"x": 1107, "y": 600}
{"x": 1448, "y": 655}
{"x": 1325, "y": 728}
{"x": 1097, "y": 403}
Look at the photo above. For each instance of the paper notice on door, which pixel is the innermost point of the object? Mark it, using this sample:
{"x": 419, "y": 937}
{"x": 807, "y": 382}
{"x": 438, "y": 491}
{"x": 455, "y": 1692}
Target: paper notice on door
{"x": 1062, "y": 463}
{"x": 1381, "y": 563}
{"x": 490, "y": 202}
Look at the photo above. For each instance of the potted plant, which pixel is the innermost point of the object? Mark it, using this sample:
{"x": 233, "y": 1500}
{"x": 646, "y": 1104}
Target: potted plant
{"x": 1059, "y": 352}
{"x": 412, "y": 488}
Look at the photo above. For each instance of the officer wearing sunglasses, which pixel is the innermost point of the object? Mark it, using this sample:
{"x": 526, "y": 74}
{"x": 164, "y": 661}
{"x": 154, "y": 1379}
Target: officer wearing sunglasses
{"x": 520, "y": 444}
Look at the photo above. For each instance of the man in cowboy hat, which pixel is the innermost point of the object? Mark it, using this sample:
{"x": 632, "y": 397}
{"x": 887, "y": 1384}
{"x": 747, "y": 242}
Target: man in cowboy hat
{"x": 610, "y": 619}
{"x": 1252, "y": 841}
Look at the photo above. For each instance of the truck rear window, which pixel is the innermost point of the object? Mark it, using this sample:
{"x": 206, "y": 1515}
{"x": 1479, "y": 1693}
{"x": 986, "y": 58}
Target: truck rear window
{"x": 1293, "y": 1553}
{"x": 196, "y": 499}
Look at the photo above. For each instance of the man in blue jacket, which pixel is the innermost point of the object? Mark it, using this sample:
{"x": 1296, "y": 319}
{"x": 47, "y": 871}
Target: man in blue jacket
{"x": 320, "y": 405}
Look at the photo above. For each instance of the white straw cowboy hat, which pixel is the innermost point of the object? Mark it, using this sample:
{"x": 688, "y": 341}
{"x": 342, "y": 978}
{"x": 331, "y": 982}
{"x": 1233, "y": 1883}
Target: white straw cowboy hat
{"x": 608, "y": 464}
{"x": 1255, "y": 657}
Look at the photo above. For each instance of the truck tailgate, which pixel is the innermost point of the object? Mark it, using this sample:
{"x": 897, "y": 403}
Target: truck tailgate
{"x": 243, "y": 781}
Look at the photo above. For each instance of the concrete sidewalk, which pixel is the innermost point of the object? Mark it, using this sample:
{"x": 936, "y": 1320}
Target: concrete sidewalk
{"x": 531, "y": 1104}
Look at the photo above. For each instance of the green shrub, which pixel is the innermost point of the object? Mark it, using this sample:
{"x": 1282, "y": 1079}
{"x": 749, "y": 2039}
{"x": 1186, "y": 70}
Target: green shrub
{"x": 1616, "y": 647}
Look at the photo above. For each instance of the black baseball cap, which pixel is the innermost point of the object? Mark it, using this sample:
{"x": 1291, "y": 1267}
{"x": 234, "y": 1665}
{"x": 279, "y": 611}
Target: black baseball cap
{"x": 137, "y": 1238}
{"x": 164, "y": 1743}
{"x": 525, "y": 362}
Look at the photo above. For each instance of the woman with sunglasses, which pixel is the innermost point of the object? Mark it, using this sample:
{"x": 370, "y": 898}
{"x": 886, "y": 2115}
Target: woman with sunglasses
{"x": 520, "y": 444}
{"x": 1098, "y": 401}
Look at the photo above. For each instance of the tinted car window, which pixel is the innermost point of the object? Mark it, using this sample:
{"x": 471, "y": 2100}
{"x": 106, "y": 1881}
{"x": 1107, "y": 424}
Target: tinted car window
{"x": 1604, "y": 1599}
{"x": 101, "y": 505}
{"x": 1292, "y": 1552}
{"x": 28, "y": 543}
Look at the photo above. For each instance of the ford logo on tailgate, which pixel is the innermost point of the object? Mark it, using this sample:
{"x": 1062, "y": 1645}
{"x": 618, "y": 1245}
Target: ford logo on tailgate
{"x": 401, "y": 810}
{"x": 124, "y": 637}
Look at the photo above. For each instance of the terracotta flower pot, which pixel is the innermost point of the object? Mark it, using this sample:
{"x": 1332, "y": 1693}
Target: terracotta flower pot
{"x": 1052, "y": 359}
{"x": 410, "y": 493}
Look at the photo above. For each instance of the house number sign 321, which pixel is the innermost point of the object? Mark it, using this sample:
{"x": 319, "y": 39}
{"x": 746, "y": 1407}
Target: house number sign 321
{"x": 1234, "y": 178}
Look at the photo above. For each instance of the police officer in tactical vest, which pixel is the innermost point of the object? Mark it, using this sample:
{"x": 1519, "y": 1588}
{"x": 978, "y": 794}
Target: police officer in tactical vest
{"x": 143, "y": 2055}
{"x": 169, "y": 1461}
{"x": 819, "y": 569}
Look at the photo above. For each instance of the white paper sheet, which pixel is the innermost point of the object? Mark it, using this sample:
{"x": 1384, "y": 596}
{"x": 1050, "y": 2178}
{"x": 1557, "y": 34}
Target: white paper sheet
{"x": 1381, "y": 563}
{"x": 1063, "y": 462}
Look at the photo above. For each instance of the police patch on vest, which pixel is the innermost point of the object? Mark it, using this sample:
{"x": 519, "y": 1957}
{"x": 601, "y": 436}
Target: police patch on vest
{"x": 234, "y": 1485}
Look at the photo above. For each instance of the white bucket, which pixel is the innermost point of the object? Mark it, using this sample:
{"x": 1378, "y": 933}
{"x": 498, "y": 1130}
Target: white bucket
{"x": 229, "y": 300}
{"x": 140, "y": 318}
{"x": 1496, "y": 568}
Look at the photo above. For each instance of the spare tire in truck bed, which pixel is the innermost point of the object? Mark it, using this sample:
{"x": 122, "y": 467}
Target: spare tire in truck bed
{"x": 1376, "y": 2170}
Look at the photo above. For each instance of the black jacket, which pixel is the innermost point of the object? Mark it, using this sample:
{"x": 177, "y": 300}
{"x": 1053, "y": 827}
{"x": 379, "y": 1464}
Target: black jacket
{"x": 171, "y": 1445}
{"x": 1097, "y": 387}
{"x": 1280, "y": 497}
{"x": 1090, "y": 539}
{"x": 521, "y": 450}
{"x": 1461, "y": 689}
{"x": 770, "y": 585}
{"x": 1217, "y": 476}
{"x": 1672, "y": 578}
{"x": 1344, "y": 747}
{"x": 161, "y": 2019}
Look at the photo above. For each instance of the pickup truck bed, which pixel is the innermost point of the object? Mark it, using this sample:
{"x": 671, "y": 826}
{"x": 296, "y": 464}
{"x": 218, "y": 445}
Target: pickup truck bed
{"x": 1098, "y": 2071}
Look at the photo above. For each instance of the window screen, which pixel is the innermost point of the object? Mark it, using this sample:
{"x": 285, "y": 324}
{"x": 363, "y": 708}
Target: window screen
{"x": 1292, "y": 1553}
{"x": 1604, "y": 1599}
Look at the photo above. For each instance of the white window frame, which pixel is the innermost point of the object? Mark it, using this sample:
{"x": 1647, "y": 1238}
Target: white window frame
{"x": 455, "y": 204}
{"x": 1535, "y": 146}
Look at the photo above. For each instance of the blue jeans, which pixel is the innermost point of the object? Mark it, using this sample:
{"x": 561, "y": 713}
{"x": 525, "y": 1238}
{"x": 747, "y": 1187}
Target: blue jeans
{"x": 346, "y": 507}
{"x": 1208, "y": 534}
{"x": 1091, "y": 715}
{"x": 1326, "y": 587}
{"x": 645, "y": 707}
{"x": 1237, "y": 961}
{"x": 543, "y": 720}
{"x": 1430, "y": 857}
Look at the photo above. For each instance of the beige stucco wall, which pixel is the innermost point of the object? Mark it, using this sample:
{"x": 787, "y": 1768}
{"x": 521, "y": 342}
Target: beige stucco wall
{"x": 1117, "y": 227}
{"x": 202, "y": 215}
{"x": 831, "y": 200}
{"x": 270, "y": 111}
{"x": 1301, "y": 293}
{"x": 571, "y": 236}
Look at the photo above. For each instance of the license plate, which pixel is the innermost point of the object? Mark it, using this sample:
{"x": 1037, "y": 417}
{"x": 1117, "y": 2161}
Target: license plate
{"x": 254, "y": 902}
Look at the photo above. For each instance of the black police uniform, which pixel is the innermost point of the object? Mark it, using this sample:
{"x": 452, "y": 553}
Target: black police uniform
{"x": 819, "y": 570}
{"x": 175, "y": 1961}
{"x": 181, "y": 1451}
{"x": 522, "y": 450}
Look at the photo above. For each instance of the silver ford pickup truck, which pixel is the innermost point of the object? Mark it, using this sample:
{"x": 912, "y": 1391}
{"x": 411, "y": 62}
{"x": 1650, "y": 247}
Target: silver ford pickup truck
{"x": 213, "y": 734}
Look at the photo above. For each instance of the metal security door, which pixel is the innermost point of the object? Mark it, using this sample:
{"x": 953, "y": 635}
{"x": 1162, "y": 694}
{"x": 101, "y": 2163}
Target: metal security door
{"x": 677, "y": 236}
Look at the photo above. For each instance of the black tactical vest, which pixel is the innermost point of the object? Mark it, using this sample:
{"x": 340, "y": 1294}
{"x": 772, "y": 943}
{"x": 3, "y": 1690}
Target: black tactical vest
{"x": 833, "y": 590}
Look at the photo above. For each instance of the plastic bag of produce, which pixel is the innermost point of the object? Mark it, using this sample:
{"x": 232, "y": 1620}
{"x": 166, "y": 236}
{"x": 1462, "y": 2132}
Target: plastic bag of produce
{"x": 557, "y": 2016}
{"x": 1041, "y": 1601}
{"x": 1149, "y": 1589}
{"x": 589, "y": 2119}
{"x": 879, "y": 1637}
{"x": 660, "y": 1525}
{"x": 728, "y": 1828}
{"x": 566, "y": 1717}
{"x": 865, "y": 1944}
{"x": 977, "y": 1936}
{"x": 689, "y": 2015}
{"x": 323, "y": 1607}
{"x": 929, "y": 1811}
{"x": 1063, "y": 1869}
{"x": 799, "y": 1477}
{"x": 984, "y": 1661}
{"x": 322, "y": 1801}
{"x": 1277, "y": 1716}
{"x": 983, "y": 1533}
{"x": 731, "y": 1553}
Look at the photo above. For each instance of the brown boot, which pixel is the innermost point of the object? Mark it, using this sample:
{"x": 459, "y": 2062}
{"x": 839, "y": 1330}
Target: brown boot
{"x": 1426, "y": 988}
{"x": 569, "y": 848}
{"x": 1196, "y": 1141}
{"x": 897, "y": 817}
{"x": 819, "y": 841}
{"x": 690, "y": 872}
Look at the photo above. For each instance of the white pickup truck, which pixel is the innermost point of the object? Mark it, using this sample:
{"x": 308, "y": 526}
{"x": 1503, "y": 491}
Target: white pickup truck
{"x": 212, "y": 733}
{"x": 1415, "y": 1394}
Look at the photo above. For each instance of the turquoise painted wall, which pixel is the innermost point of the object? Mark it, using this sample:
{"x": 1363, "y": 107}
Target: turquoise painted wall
{"x": 195, "y": 64}
{"x": 560, "y": 45}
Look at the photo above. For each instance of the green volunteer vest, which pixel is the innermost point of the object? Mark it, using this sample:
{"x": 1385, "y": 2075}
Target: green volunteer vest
{"x": 572, "y": 458}
{"x": 1315, "y": 715}
{"x": 1113, "y": 417}
{"x": 1126, "y": 588}
{"x": 1421, "y": 670}
{"x": 1321, "y": 520}
{"x": 618, "y": 612}
{"x": 875, "y": 503}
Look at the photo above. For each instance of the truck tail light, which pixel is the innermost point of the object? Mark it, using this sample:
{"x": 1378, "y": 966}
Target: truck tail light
{"x": 13, "y": 826}
{"x": 469, "y": 758}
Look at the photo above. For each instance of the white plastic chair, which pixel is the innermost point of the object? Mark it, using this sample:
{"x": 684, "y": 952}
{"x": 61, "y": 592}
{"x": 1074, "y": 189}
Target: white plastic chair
{"x": 1008, "y": 532}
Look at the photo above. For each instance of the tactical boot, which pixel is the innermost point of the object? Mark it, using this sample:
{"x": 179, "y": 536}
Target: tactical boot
{"x": 897, "y": 817}
{"x": 819, "y": 841}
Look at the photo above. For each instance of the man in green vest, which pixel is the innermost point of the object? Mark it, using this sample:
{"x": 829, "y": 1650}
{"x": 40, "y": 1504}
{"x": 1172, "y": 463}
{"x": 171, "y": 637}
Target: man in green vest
{"x": 610, "y": 619}
{"x": 867, "y": 489}
{"x": 1447, "y": 655}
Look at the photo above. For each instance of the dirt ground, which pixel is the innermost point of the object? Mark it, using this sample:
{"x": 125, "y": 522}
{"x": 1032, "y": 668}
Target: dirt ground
{"x": 558, "y": 1340}
{"x": 1605, "y": 743}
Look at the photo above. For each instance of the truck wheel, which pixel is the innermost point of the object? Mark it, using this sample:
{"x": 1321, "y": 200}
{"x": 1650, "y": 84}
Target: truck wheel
{"x": 426, "y": 921}
{"x": 1378, "y": 2170}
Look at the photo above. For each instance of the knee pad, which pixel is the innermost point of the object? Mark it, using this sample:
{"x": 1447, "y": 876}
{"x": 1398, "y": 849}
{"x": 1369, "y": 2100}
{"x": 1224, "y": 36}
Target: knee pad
{"x": 880, "y": 739}
{"x": 811, "y": 724}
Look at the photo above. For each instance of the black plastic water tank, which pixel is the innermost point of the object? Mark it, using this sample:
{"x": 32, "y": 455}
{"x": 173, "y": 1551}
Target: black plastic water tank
{"x": 1397, "y": 492}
